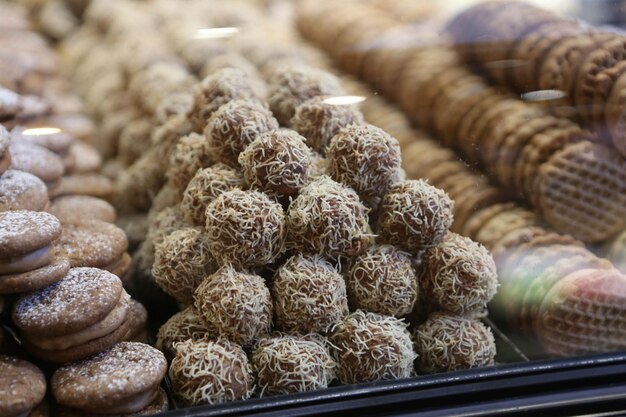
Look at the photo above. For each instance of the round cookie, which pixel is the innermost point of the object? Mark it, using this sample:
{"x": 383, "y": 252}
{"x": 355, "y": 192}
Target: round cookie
{"x": 23, "y": 232}
{"x": 35, "y": 279}
{"x": 53, "y": 139}
{"x": 120, "y": 380}
{"x": 5, "y": 153}
{"x": 23, "y": 386}
{"x": 36, "y": 160}
{"x": 160, "y": 404}
{"x": 92, "y": 243}
{"x": 91, "y": 184}
{"x": 22, "y": 191}
{"x": 73, "y": 208}
{"x": 86, "y": 157}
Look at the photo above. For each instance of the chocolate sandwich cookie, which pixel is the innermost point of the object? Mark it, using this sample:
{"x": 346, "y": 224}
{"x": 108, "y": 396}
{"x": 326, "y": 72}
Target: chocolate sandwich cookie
{"x": 22, "y": 191}
{"x": 37, "y": 160}
{"x": 86, "y": 158}
{"x": 95, "y": 185}
{"x": 159, "y": 405}
{"x": 5, "y": 153}
{"x": 80, "y": 315}
{"x": 92, "y": 243}
{"x": 50, "y": 138}
{"x": 76, "y": 208}
{"x": 121, "y": 380}
{"x": 22, "y": 387}
{"x": 27, "y": 260}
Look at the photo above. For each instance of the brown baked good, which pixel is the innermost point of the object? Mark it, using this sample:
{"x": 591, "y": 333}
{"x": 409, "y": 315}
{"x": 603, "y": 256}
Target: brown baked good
{"x": 24, "y": 386}
{"x": 76, "y": 208}
{"x": 22, "y": 191}
{"x": 184, "y": 325}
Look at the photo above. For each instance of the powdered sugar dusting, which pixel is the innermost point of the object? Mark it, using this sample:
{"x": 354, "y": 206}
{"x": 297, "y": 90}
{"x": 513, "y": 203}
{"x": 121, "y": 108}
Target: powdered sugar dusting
{"x": 93, "y": 243}
{"x": 18, "y": 223}
{"x": 79, "y": 300}
{"x": 20, "y": 190}
{"x": 124, "y": 370}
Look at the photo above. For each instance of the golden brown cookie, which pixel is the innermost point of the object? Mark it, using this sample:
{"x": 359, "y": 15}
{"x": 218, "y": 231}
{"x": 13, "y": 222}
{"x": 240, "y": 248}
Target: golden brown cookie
{"x": 36, "y": 160}
{"x": 503, "y": 223}
{"x": 24, "y": 386}
{"x": 91, "y": 184}
{"x": 22, "y": 191}
{"x": 72, "y": 208}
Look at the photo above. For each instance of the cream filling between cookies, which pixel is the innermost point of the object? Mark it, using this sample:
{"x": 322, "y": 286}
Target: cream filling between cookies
{"x": 26, "y": 263}
{"x": 112, "y": 321}
{"x": 131, "y": 405}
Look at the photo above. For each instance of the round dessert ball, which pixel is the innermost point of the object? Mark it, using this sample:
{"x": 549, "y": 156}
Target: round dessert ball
{"x": 210, "y": 372}
{"x": 328, "y": 218}
{"x": 219, "y": 88}
{"x": 318, "y": 121}
{"x": 366, "y": 158}
{"x": 372, "y": 347}
{"x": 277, "y": 162}
{"x": 460, "y": 275}
{"x": 287, "y": 364}
{"x": 382, "y": 280}
{"x": 190, "y": 154}
{"x": 245, "y": 229}
{"x": 414, "y": 215}
{"x": 184, "y": 325}
{"x": 204, "y": 187}
{"x": 291, "y": 86}
{"x": 447, "y": 342}
{"x": 234, "y": 126}
{"x": 309, "y": 295}
{"x": 181, "y": 262}
{"x": 236, "y": 305}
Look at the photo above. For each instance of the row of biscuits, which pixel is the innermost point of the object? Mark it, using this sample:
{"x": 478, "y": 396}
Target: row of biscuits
{"x": 541, "y": 273}
{"x": 542, "y": 159}
{"x": 550, "y": 53}
{"x": 74, "y": 320}
{"x": 247, "y": 208}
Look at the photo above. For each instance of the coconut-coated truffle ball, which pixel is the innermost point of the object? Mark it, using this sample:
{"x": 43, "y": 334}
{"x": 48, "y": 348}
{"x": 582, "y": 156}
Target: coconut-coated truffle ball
{"x": 372, "y": 347}
{"x": 210, "y": 372}
{"x": 328, "y": 218}
{"x": 291, "y": 86}
{"x": 204, "y": 187}
{"x": 287, "y": 364}
{"x": 382, "y": 280}
{"x": 237, "y": 305}
{"x": 190, "y": 154}
{"x": 181, "y": 262}
{"x": 460, "y": 275}
{"x": 245, "y": 229}
{"x": 277, "y": 162}
{"x": 234, "y": 126}
{"x": 309, "y": 295}
{"x": 219, "y": 88}
{"x": 184, "y": 325}
{"x": 447, "y": 342}
{"x": 366, "y": 158}
{"x": 414, "y": 215}
{"x": 318, "y": 121}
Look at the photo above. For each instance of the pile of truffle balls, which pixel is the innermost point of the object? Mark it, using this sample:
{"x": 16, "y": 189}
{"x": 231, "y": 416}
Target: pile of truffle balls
{"x": 300, "y": 256}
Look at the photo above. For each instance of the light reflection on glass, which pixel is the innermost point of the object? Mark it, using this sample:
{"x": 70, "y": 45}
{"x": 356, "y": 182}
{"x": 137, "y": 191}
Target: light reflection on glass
{"x": 215, "y": 33}
{"x": 41, "y": 131}
{"x": 543, "y": 95}
{"x": 344, "y": 100}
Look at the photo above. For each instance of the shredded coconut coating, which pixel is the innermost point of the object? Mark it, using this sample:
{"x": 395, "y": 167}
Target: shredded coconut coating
{"x": 245, "y": 229}
{"x": 234, "y": 126}
{"x": 318, "y": 121}
{"x": 114, "y": 375}
{"x": 184, "y": 325}
{"x": 235, "y": 60}
{"x": 222, "y": 87}
{"x": 237, "y": 305}
{"x": 287, "y": 364}
{"x": 291, "y": 86}
{"x": 205, "y": 186}
{"x": 173, "y": 104}
{"x": 160, "y": 225}
{"x": 415, "y": 215}
{"x": 137, "y": 186}
{"x": 460, "y": 275}
{"x": 181, "y": 262}
{"x": 190, "y": 154}
{"x": 309, "y": 295}
{"x": 447, "y": 342}
{"x": 319, "y": 166}
{"x": 382, "y": 280}
{"x": 328, "y": 218}
{"x": 210, "y": 372}
{"x": 372, "y": 347}
{"x": 277, "y": 162}
{"x": 365, "y": 158}
{"x": 168, "y": 196}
